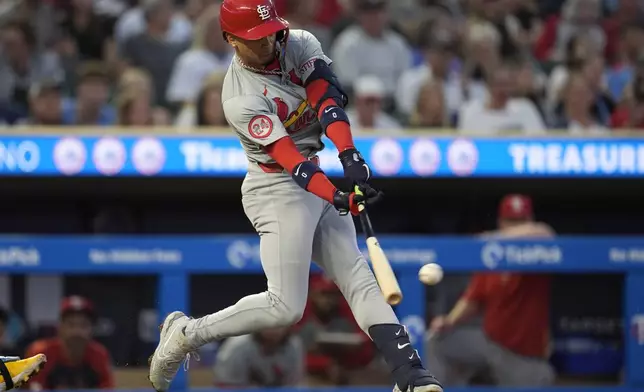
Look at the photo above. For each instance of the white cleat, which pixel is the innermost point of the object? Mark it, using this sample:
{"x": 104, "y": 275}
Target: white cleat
{"x": 172, "y": 350}
{"x": 422, "y": 388}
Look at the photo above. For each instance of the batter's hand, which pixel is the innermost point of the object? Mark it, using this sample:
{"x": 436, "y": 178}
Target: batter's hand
{"x": 355, "y": 167}
{"x": 346, "y": 202}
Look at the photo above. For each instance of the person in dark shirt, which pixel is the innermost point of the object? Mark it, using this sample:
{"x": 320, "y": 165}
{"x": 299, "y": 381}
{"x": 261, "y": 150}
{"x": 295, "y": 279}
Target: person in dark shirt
{"x": 91, "y": 33}
{"x": 74, "y": 359}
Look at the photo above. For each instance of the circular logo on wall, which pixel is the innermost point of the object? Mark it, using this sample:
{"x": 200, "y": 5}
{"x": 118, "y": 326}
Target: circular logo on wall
{"x": 109, "y": 156}
{"x": 70, "y": 156}
{"x": 424, "y": 157}
{"x": 462, "y": 157}
{"x": 386, "y": 157}
{"x": 148, "y": 156}
{"x": 492, "y": 255}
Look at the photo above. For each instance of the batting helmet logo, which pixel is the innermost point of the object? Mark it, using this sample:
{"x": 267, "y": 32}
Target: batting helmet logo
{"x": 264, "y": 12}
{"x": 250, "y": 19}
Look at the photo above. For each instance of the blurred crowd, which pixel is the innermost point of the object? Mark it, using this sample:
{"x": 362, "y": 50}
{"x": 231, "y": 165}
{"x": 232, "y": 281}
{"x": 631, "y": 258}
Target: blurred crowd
{"x": 480, "y": 66}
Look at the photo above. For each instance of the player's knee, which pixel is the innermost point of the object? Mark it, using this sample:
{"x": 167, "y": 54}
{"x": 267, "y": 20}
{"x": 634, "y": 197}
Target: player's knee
{"x": 287, "y": 312}
{"x": 292, "y": 316}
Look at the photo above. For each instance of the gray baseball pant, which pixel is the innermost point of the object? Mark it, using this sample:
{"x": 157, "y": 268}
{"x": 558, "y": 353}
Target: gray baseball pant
{"x": 295, "y": 227}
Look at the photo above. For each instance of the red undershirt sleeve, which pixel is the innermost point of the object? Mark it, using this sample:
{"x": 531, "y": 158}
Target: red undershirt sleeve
{"x": 285, "y": 153}
{"x": 339, "y": 132}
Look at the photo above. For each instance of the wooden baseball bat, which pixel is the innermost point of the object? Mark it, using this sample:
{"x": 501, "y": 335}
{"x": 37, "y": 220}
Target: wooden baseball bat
{"x": 379, "y": 262}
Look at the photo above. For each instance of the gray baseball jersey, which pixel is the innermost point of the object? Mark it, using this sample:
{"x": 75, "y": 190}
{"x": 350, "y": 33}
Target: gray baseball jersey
{"x": 295, "y": 226}
{"x": 265, "y": 108}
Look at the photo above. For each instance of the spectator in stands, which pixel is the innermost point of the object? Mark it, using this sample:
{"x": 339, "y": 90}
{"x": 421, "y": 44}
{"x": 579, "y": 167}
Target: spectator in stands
{"x": 22, "y": 63}
{"x": 45, "y": 103}
{"x": 137, "y": 79}
{"x": 431, "y": 110}
{"x": 482, "y": 51}
{"x": 89, "y": 33}
{"x": 530, "y": 83}
{"x": 514, "y": 343}
{"x": 193, "y": 9}
{"x": 578, "y": 50}
{"x": 301, "y": 14}
{"x": 524, "y": 24}
{"x": 579, "y": 18}
{"x": 134, "y": 109}
{"x": 41, "y": 16}
{"x": 370, "y": 47}
{"x": 334, "y": 343}
{"x": 149, "y": 50}
{"x": 439, "y": 53}
{"x": 628, "y": 13}
{"x": 92, "y": 94}
{"x": 270, "y": 358}
{"x": 621, "y": 72}
{"x": 74, "y": 359}
{"x": 133, "y": 22}
{"x": 366, "y": 112}
{"x": 604, "y": 106}
{"x": 630, "y": 114}
{"x": 500, "y": 113}
{"x": 209, "y": 54}
{"x": 11, "y": 115}
{"x": 577, "y": 98}
{"x": 208, "y": 110}
{"x": 492, "y": 17}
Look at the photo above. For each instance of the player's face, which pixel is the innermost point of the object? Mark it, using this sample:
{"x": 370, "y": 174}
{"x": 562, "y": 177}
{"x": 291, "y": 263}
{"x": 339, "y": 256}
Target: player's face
{"x": 508, "y": 223}
{"x": 325, "y": 301}
{"x": 256, "y": 53}
{"x": 75, "y": 329}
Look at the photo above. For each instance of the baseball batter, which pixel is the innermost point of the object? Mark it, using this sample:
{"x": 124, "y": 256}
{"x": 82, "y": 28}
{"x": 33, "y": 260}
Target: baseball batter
{"x": 280, "y": 96}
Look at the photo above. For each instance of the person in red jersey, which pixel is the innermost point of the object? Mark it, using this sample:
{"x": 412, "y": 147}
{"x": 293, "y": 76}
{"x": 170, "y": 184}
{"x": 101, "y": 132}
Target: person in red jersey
{"x": 514, "y": 342}
{"x": 75, "y": 360}
{"x": 333, "y": 340}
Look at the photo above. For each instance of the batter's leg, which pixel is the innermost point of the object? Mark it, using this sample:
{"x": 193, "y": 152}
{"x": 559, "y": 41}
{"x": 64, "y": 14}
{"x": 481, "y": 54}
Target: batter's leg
{"x": 335, "y": 249}
{"x": 285, "y": 217}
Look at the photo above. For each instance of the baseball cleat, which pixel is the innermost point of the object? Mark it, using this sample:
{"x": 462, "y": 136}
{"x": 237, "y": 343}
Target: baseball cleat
{"x": 173, "y": 349}
{"x": 15, "y": 372}
{"x": 421, "y": 381}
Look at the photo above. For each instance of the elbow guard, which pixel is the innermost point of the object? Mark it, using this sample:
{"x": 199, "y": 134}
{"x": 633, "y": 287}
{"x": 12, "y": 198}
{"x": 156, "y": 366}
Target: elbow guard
{"x": 303, "y": 172}
{"x": 333, "y": 114}
{"x": 333, "y": 89}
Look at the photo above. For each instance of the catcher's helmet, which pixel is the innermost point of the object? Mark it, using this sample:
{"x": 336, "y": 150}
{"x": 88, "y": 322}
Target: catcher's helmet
{"x": 250, "y": 19}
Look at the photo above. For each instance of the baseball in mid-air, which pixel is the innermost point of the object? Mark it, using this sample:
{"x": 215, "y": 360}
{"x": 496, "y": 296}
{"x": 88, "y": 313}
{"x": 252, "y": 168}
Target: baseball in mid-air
{"x": 430, "y": 274}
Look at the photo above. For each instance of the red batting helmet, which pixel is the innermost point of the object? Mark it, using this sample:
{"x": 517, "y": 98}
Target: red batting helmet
{"x": 250, "y": 19}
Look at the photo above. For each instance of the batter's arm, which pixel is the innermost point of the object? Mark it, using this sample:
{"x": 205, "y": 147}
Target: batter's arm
{"x": 254, "y": 120}
{"x": 323, "y": 90}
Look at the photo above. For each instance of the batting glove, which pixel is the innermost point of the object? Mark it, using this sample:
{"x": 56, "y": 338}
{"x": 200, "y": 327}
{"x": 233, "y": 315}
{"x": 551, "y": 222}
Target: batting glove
{"x": 346, "y": 202}
{"x": 355, "y": 167}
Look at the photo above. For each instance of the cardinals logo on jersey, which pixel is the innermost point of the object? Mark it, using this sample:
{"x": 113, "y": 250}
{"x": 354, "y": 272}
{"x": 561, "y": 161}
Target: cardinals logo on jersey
{"x": 295, "y": 120}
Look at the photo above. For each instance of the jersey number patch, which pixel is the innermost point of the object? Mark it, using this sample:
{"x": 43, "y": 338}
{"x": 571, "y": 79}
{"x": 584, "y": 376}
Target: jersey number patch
{"x": 260, "y": 127}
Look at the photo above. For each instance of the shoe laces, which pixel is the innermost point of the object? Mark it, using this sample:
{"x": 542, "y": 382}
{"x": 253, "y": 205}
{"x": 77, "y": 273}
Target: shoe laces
{"x": 186, "y": 362}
